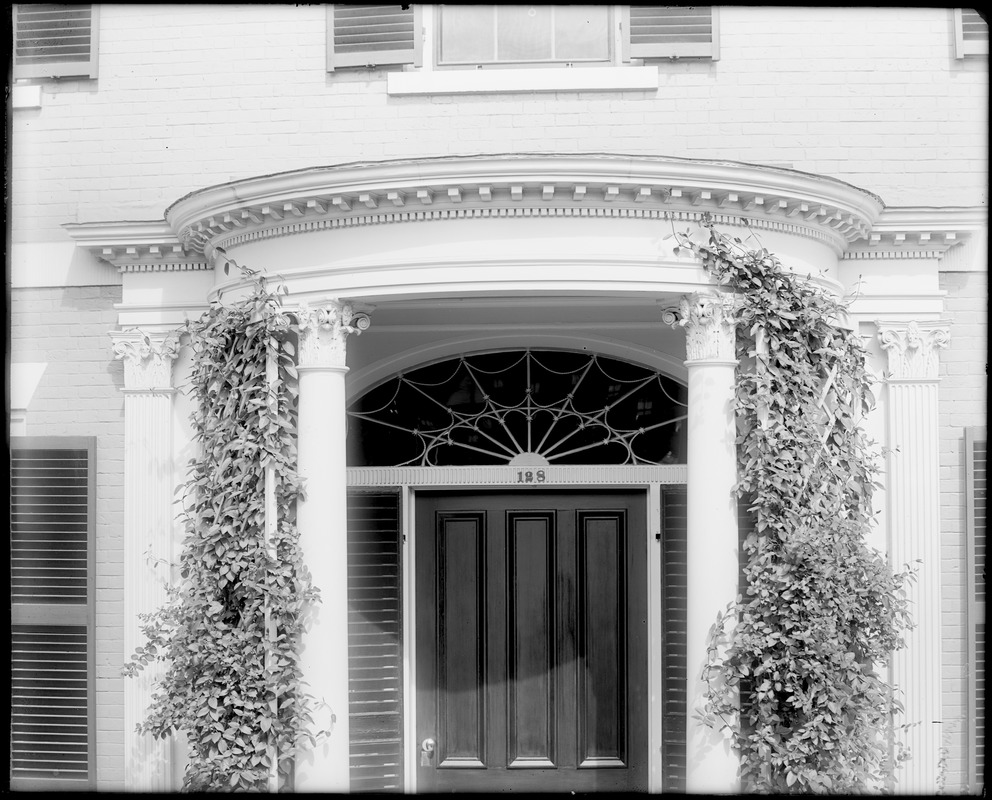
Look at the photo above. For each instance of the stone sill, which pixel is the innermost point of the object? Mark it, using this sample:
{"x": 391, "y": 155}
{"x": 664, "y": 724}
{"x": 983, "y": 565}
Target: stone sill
{"x": 555, "y": 79}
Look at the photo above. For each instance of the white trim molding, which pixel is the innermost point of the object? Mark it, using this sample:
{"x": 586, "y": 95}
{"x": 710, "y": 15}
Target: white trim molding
{"x": 502, "y": 476}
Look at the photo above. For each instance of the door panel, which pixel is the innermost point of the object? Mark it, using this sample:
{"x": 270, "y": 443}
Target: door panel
{"x": 602, "y": 621}
{"x": 461, "y": 605}
{"x": 531, "y": 606}
{"x": 531, "y": 641}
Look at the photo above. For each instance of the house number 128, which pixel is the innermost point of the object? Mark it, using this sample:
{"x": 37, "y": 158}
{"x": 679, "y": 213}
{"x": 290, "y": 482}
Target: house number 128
{"x": 532, "y": 477}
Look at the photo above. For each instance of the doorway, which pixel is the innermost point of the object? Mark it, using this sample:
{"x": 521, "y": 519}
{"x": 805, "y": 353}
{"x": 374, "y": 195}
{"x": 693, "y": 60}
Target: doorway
{"x": 531, "y": 641}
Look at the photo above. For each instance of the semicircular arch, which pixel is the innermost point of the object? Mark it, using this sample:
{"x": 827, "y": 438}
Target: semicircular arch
{"x": 362, "y": 380}
{"x": 520, "y": 406}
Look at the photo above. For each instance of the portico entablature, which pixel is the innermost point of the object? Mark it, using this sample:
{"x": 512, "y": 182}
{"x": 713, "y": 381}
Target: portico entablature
{"x": 530, "y": 225}
{"x": 896, "y": 270}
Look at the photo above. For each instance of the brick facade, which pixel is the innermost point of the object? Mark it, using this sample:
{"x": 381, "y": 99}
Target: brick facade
{"x": 79, "y": 395}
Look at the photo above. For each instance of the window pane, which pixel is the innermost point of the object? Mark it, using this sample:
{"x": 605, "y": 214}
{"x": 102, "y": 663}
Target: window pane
{"x": 467, "y": 34}
{"x": 524, "y": 33}
{"x": 581, "y": 32}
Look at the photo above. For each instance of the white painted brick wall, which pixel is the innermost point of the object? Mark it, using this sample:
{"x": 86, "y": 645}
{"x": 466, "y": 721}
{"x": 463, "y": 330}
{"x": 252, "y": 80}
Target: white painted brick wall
{"x": 193, "y": 95}
{"x": 79, "y": 395}
{"x": 962, "y": 403}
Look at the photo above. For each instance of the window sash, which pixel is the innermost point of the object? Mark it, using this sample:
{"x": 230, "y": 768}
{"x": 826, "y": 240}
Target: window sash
{"x": 556, "y": 39}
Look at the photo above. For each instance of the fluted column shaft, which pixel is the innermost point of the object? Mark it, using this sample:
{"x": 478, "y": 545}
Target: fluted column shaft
{"x": 322, "y": 521}
{"x": 149, "y": 485}
{"x": 913, "y": 495}
{"x": 712, "y": 548}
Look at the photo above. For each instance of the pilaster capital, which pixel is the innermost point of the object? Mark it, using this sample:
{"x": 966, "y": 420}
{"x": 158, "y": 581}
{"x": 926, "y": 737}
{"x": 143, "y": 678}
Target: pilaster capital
{"x": 913, "y": 347}
{"x": 324, "y": 331}
{"x": 708, "y": 319}
{"x": 147, "y": 358}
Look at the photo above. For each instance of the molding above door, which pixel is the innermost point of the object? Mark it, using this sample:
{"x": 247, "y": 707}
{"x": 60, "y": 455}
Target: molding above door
{"x": 505, "y": 476}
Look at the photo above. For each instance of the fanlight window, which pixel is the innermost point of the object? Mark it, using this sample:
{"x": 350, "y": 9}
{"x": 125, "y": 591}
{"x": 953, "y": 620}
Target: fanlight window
{"x": 532, "y": 407}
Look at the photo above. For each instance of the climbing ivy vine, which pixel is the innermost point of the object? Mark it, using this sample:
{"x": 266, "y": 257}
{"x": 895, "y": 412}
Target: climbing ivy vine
{"x": 230, "y": 631}
{"x": 795, "y": 667}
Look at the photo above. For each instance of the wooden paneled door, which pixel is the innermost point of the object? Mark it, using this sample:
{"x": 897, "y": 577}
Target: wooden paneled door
{"x": 531, "y": 641}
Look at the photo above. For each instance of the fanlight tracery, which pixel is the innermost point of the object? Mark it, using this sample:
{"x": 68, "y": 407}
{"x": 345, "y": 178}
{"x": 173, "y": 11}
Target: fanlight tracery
{"x": 531, "y": 407}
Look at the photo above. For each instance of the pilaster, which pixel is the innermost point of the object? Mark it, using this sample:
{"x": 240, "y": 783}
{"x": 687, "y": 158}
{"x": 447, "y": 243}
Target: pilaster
{"x": 322, "y": 521}
{"x": 914, "y": 532}
{"x": 149, "y": 484}
{"x": 712, "y": 549}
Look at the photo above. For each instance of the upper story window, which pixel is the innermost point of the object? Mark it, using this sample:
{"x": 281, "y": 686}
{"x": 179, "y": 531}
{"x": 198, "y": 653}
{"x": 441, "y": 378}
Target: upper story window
{"x": 472, "y": 35}
{"x": 484, "y": 36}
{"x": 54, "y": 40}
{"x": 971, "y": 33}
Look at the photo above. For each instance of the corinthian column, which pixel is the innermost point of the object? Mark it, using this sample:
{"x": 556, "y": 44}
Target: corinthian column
{"x": 322, "y": 520}
{"x": 912, "y": 491}
{"x": 149, "y": 485}
{"x": 712, "y": 551}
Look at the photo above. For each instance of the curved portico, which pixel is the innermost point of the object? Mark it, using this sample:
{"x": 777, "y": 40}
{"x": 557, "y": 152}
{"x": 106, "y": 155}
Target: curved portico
{"x": 451, "y": 256}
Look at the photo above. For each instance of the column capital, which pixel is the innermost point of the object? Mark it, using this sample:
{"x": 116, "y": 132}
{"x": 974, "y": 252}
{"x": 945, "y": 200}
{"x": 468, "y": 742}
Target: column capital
{"x": 324, "y": 331}
{"x": 709, "y": 323}
{"x": 147, "y": 357}
{"x": 913, "y": 347}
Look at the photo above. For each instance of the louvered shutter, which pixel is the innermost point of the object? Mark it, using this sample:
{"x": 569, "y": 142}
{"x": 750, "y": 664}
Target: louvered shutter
{"x": 971, "y": 33}
{"x": 375, "y": 642}
{"x": 976, "y": 496}
{"x": 52, "y": 649}
{"x": 54, "y": 40}
{"x": 670, "y": 32}
{"x": 673, "y": 648}
{"x": 373, "y": 36}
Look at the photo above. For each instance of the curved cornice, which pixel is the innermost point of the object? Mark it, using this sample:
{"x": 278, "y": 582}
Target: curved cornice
{"x": 368, "y": 193}
{"x": 851, "y": 220}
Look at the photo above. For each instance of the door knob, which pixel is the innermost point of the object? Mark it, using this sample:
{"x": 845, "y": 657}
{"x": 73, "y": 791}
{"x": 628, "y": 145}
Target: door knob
{"x": 426, "y": 751}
